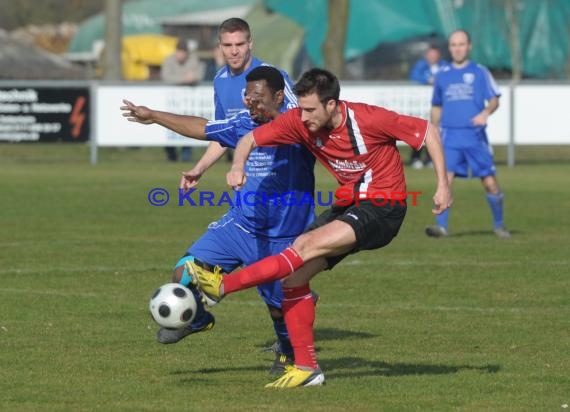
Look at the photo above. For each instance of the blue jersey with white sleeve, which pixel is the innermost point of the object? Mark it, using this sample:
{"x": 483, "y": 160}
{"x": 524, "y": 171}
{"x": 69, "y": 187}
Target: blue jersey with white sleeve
{"x": 461, "y": 93}
{"x": 229, "y": 90}
{"x": 424, "y": 73}
{"x": 277, "y": 200}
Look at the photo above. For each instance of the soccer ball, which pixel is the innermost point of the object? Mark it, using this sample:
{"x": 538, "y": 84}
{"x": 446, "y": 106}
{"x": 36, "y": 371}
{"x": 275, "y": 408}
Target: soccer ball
{"x": 173, "y": 306}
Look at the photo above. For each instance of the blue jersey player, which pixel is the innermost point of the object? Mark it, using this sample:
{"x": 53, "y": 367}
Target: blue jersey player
{"x": 464, "y": 96}
{"x": 253, "y": 229}
{"x": 235, "y": 43}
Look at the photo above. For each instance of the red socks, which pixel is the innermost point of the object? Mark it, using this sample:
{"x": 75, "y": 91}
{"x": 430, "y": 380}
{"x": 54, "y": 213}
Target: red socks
{"x": 299, "y": 312}
{"x": 266, "y": 270}
{"x": 298, "y": 304}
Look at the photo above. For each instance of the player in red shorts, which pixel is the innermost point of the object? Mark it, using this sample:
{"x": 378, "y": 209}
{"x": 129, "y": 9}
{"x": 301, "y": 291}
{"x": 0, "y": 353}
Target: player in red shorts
{"x": 356, "y": 142}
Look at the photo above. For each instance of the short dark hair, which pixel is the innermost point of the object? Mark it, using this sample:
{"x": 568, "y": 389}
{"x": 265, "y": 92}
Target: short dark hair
{"x": 319, "y": 81}
{"x": 234, "y": 24}
{"x": 270, "y": 74}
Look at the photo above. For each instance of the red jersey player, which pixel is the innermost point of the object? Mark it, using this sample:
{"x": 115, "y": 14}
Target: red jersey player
{"x": 356, "y": 142}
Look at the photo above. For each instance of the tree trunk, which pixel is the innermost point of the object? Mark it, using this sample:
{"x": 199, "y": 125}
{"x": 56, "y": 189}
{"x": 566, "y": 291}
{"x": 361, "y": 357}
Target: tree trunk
{"x": 333, "y": 47}
{"x": 511, "y": 7}
{"x": 112, "y": 68}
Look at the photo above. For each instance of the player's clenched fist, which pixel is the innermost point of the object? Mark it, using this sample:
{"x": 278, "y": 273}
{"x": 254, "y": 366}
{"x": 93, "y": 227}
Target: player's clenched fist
{"x": 236, "y": 178}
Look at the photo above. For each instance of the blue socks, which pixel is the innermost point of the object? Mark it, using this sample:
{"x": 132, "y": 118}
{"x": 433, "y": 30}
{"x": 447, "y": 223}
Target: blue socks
{"x": 496, "y": 203}
{"x": 443, "y": 219}
{"x": 202, "y": 317}
{"x": 282, "y": 336}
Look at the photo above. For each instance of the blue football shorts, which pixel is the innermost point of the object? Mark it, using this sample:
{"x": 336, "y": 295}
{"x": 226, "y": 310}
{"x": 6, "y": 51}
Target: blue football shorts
{"x": 227, "y": 244}
{"x": 474, "y": 160}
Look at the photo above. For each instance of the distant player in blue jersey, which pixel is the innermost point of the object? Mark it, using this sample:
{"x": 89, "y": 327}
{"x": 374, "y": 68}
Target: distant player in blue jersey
{"x": 464, "y": 96}
{"x": 423, "y": 72}
{"x": 250, "y": 230}
{"x": 425, "y": 69}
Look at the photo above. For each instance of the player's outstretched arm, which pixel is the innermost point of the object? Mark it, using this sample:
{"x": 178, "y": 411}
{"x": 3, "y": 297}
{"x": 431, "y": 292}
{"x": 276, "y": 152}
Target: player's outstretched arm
{"x": 189, "y": 126}
{"x": 236, "y": 175}
{"x": 442, "y": 198}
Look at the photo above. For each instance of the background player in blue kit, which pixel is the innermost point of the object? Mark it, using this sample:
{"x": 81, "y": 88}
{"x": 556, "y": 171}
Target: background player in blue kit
{"x": 235, "y": 42}
{"x": 246, "y": 233}
{"x": 423, "y": 72}
{"x": 464, "y": 96}
{"x": 425, "y": 69}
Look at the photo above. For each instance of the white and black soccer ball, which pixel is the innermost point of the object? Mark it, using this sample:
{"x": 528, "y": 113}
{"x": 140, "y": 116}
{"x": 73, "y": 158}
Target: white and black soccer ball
{"x": 172, "y": 306}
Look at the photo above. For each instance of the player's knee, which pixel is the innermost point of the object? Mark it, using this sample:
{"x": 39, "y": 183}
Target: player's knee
{"x": 177, "y": 274}
{"x": 303, "y": 244}
{"x": 180, "y": 272}
{"x": 491, "y": 185}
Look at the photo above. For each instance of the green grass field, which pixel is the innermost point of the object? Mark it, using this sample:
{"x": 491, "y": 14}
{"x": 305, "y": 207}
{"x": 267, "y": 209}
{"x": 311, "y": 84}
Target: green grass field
{"x": 468, "y": 323}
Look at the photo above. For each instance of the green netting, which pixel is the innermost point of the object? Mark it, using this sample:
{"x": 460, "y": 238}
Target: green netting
{"x": 544, "y": 28}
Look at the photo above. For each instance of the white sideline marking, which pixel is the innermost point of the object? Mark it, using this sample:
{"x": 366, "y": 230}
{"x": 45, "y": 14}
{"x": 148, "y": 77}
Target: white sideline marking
{"x": 49, "y": 292}
{"x": 82, "y": 269}
{"x": 370, "y": 308}
{"x": 325, "y": 305}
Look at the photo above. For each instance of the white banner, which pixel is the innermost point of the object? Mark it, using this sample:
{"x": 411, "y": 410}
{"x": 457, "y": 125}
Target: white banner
{"x": 540, "y": 112}
{"x": 112, "y": 129}
{"x": 416, "y": 101}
